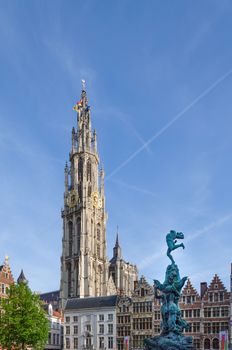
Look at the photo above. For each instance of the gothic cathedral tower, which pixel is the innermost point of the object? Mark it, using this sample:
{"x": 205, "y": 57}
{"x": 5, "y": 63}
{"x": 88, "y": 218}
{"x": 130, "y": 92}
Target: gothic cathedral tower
{"x": 84, "y": 264}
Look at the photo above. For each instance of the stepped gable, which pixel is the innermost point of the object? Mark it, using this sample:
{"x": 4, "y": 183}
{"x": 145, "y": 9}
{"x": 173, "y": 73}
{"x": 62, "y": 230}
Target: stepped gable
{"x": 143, "y": 284}
{"x": 190, "y": 290}
{"x": 216, "y": 285}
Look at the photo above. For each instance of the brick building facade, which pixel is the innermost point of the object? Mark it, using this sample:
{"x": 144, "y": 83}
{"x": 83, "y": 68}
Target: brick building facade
{"x": 207, "y": 313}
{"x": 6, "y": 278}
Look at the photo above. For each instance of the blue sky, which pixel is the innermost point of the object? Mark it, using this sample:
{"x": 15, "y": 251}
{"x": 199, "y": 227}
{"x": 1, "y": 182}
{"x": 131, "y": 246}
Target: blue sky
{"x": 159, "y": 83}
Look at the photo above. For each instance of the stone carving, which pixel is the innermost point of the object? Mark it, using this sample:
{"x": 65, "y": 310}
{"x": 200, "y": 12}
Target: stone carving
{"x": 172, "y": 325}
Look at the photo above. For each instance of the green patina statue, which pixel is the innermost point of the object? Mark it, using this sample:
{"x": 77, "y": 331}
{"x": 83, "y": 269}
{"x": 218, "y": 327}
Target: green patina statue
{"x": 169, "y": 292}
{"x": 171, "y": 240}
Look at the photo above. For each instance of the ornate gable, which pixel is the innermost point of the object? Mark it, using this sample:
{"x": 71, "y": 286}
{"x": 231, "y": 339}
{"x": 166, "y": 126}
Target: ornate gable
{"x": 143, "y": 288}
{"x": 216, "y": 284}
{"x": 190, "y": 290}
{"x": 216, "y": 291}
{"x": 6, "y": 277}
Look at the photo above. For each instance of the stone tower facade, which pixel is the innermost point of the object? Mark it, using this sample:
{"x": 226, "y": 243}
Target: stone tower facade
{"x": 84, "y": 264}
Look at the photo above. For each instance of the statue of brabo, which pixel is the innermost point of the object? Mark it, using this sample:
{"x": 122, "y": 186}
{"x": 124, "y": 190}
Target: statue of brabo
{"x": 172, "y": 325}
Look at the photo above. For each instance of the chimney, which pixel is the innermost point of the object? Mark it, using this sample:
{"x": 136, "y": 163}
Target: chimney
{"x": 203, "y": 288}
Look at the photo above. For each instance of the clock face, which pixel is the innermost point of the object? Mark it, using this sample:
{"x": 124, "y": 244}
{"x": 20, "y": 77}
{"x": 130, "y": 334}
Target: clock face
{"x": 72, "y": 199}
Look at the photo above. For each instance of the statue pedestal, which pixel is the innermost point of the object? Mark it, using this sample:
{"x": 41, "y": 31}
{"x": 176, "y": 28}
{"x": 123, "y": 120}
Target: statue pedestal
{"x": 170, "y": 341}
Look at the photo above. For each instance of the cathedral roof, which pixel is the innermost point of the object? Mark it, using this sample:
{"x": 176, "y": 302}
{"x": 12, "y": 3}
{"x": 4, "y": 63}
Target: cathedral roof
{"x": 50, "y": 296}
{"x": 90, "y": 303}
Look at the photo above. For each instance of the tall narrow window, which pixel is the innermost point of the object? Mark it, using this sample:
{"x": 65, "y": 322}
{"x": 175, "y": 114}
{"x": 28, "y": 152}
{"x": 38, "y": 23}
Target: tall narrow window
{"x": 78, "y": 233}
{"x": 69, "y": 279}
{"x": 70, "y": 236}
{"x": 89, "y": 171}
{"x": 98, "y": 232}
{"x": 80, "y": 169}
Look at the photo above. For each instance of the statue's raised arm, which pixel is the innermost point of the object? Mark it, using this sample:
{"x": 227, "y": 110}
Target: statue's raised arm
{"x": 171, "y": 239}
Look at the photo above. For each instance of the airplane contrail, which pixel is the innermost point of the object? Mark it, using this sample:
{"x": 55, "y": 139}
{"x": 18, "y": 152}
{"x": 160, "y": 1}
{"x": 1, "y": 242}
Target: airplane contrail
{"x": 171, "y": 122}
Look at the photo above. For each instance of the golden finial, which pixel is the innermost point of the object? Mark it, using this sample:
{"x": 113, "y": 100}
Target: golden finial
{"x": 7, "y": 260}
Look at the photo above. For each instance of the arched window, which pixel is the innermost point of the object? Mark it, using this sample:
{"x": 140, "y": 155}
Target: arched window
{"x": 78, "y": 233}
{"x": 70, "y": 236}
{"x": 80, "y": 169}
{"x": 89, "y": 190}
{"x": 89, "y": 171}
{"x": 207, "y": 344}
{"x": 216, "y": 344}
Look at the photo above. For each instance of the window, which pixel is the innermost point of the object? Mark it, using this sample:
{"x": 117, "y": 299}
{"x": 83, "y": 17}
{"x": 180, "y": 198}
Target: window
{"x": 78, "y": 233}
{"x": 110, "y": 343}
{"x": 3, "y": 288}
{"x": 69, "y": 280}
{"x": 58, "y": 339}
{"x": 88, "y": 342}
{"x": 80, "y": 169}
{"x": 216, "y": 312}
{"x": 70, "y": 236}
{"x": 215, "y": 327}
{"x": 215, "y": 343}
{"x": 75, "y": 340}
{"x": 101, "y": 328}
{"x": 221, "y": 296}
{"x": 156, "y": 328}
{"x": 75, "y": 318}
{"x": 196, "y": 343}
{"x": 101, "y": 317}
{"x": 88, "y": 171}
{"x": 216, "y": 297}
{"x": 207, "y": 328}
{"x": 68, "y": 330}
{"x": 101, "y": 342}
{"x": 110, "y": 317}
{"x": 98, "y": 232}
{"x": 110, "y": 328}
{"x": 49, "y": 338}
{"x": 75, "y": 329}
{"x": 207, "y": 344}
{"x": 196, "y": 327}
{"x": 224, "y": 326}
{"x": 211, "y": 297}
{"x": 88, "y": 327}
{"x": 54, "y": 339}
{"x": 196, "y": 313}
{"x": 157, "y": 315}
{"x": 67, "y": 343}
{"x": 98, "y": 250}
{"x": 207, "y": 312}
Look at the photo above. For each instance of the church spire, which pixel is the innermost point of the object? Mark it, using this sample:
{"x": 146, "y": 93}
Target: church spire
{"x": 86, "y": 140}
{"x": 117, "y": 249}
